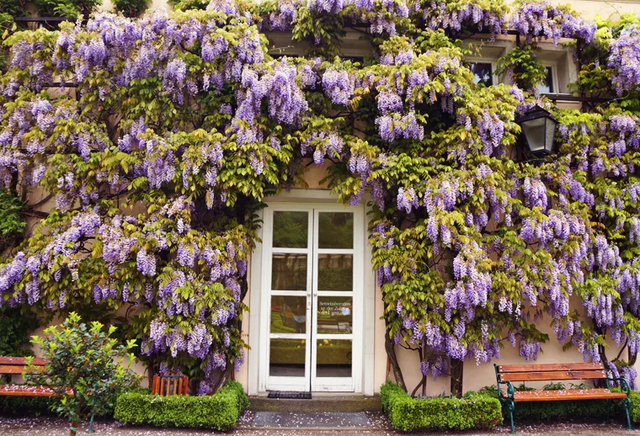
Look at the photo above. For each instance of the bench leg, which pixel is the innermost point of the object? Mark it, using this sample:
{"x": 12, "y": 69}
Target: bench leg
{"x": 627, "y": 404}
{"x": 511, "y": 406}
{"x": 91, "y": 430}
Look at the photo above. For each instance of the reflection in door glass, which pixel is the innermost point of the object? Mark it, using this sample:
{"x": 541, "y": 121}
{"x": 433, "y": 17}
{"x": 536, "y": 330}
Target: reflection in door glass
{"x": 334, "y": 358}
{"x": 287, "y": 357}
{"x": 335, "y": 230}
{"x": 288, "y": 314}
{"x": 290, "y": 229}
{"x": 335, "y": 315}
{"x": 289, "y": 272}
{"x": 335, "y": 272}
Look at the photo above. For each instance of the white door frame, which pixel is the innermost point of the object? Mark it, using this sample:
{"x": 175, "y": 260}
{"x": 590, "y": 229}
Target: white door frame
{"x": 363, "y": 299}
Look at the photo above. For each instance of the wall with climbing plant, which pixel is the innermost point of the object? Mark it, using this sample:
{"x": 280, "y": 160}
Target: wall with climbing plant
{"x": 182, "y": 124}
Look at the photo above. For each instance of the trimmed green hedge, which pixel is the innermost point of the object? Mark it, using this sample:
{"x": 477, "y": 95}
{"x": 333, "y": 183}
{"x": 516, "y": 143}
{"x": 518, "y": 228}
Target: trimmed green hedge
{"x": 219, "y": 411}
{"x": 41, "y": 406}
{"x": 634, "y": 410}
{"x": 409, "y": 414}
{"x": 25, "y": 406}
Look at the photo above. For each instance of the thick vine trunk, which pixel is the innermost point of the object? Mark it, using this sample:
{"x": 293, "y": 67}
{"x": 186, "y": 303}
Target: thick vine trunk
{"x": 422, "y": 384}
{"x": 423, "y": 380}
{"x": 393, "y": 360}
{"x": 457, "y": 367}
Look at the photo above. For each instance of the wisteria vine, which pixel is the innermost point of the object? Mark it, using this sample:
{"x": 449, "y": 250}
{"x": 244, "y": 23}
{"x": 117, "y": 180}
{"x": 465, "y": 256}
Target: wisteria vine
{"x": 181, "y": 125}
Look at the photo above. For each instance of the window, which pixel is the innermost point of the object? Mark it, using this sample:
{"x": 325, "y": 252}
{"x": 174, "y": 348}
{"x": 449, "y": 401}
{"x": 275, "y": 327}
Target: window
{"x": 547, "y": 87}
{"x": 483, "y": 73}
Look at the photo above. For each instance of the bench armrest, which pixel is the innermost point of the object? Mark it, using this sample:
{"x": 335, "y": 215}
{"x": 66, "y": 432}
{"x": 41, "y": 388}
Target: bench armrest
{"x": 510, "y": 390}
{"x": 624, "y": 384}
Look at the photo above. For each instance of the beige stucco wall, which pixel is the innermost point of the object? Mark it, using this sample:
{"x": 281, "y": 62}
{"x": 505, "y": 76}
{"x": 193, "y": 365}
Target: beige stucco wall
{"x": 605, "y": 9}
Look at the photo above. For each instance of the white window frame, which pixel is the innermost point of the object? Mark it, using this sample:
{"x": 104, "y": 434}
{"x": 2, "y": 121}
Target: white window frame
{"x": 554, "y": 75}
{"x": 363, "y": 321}
{"x": 563, "y": 66}
{"x": 480, "y": 60}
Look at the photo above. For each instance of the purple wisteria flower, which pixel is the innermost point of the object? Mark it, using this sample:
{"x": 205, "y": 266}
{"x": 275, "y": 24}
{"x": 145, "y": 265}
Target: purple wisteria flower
{"x": 543, "y": 20}
{"x": 339, "y": 85}
{"x": 624, "y": 59}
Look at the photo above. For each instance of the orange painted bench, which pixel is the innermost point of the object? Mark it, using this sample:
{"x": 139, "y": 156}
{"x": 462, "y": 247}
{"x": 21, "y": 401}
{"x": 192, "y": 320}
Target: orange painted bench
{"x": 16, "y": 366}
{"x": 506, "y": 374}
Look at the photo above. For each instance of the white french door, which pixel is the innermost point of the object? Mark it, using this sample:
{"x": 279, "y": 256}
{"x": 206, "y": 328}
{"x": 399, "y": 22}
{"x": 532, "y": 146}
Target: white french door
{"x": 312, "y": 305}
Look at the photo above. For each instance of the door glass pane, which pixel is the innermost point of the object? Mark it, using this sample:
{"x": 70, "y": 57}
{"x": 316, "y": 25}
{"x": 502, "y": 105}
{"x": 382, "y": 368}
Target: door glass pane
{"x": 335, "y": 315}
{"x": 335, "y": 230}
{"x": 287, "y": 357}
{"x": 335, "y": 272}
{"x": 334, "y": 358}
{"x": 289, "y": 272}
{"x": 290, "y": 229}
{"x": 288, "y": 314}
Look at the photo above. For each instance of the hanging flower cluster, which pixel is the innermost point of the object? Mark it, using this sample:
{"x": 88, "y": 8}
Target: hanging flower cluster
{"x": 472, "y": 16}
{"x": 543, "y": 20}
{"x": 624, "y": 58}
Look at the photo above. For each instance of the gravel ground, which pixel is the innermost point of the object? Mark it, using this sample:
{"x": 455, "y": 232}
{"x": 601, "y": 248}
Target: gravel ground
{"x": 58, "y": 427}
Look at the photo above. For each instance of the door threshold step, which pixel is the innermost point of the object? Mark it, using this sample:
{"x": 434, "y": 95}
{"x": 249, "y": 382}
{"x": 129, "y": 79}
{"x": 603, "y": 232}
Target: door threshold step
{"x": 317, "y": 404}
{"x": 317, "y": 420}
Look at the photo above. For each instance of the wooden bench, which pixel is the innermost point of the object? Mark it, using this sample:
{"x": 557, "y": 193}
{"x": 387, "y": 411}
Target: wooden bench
{"x": 506, "y": 374}
{"x": 15, "y": 366}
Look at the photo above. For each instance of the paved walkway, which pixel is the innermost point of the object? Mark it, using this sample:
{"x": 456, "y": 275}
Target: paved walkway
{"x": 58, "y": 427}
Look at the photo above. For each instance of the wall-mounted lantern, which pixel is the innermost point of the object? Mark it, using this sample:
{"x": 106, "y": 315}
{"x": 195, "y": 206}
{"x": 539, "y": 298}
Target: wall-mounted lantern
{"x": 539, "y": 129}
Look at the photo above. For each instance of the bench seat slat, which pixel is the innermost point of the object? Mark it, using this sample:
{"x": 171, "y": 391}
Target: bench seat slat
{"x": 542, "y": 367}
{"x": 26, "y": 391}
{"x": 553, "y": 375}
{"x": 566, "y": 395}
{"x": 29, "y": 391}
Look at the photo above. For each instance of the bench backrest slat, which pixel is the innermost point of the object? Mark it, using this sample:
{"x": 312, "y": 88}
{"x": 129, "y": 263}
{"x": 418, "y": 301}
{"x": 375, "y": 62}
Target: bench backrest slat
{"x": 22, "y": 361}
{"x": 553, "y": 375}
{"x": 551, "y": 372}
{"x": 548, "y": 367}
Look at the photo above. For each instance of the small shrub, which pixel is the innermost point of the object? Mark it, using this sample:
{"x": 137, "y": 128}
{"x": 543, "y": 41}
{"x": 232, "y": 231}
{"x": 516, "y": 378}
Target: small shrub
{"x": 42, "y": 406}
{"x": 219, "y": 411}
{"x": 476, "y": 411}
{"x": 554, "y": 387}
{"x": 86, "y": 360}
{"x": 634, "y": 410}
